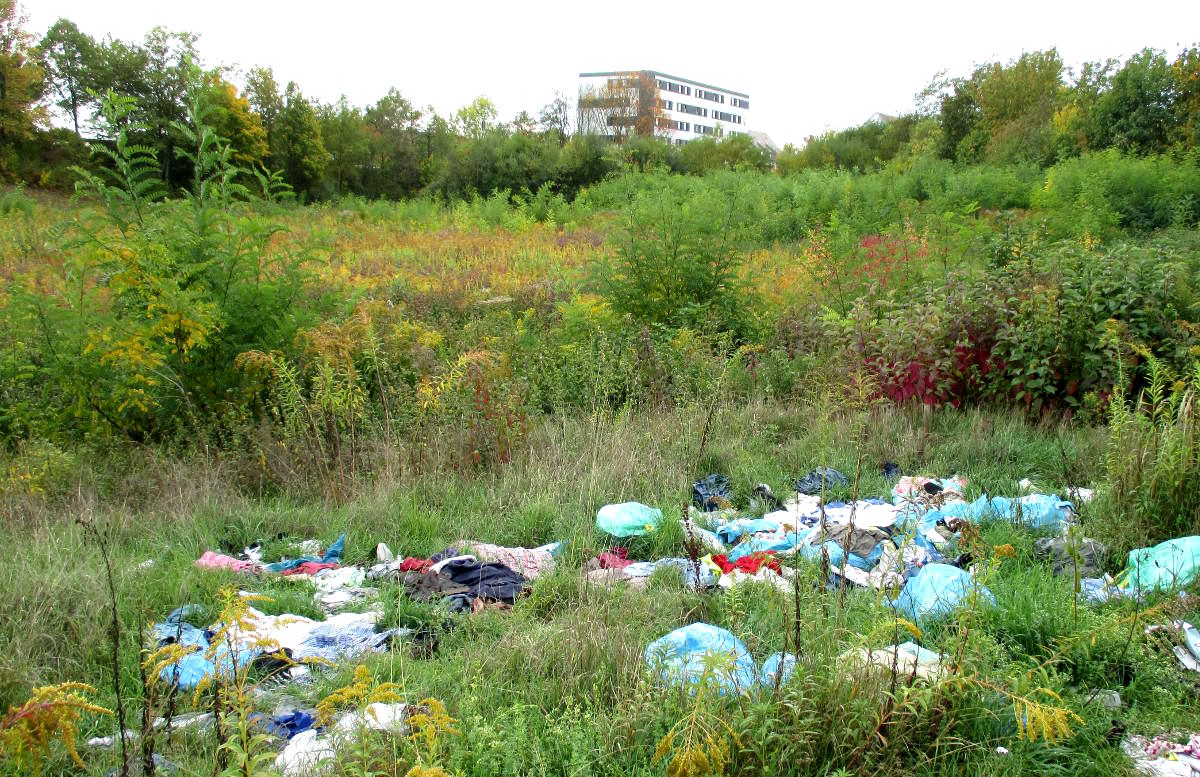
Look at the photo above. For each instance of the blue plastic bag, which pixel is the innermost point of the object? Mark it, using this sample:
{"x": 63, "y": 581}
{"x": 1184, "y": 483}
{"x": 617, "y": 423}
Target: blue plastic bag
{"x": 936, "y": 591}
{"x": 1171, "y": 564}
{"x": 680, "y": 658}
{"x": 628, "y": 519}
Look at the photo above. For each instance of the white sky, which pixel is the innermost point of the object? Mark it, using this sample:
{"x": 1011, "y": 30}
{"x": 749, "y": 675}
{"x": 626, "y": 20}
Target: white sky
{"x": 807, "y": 66}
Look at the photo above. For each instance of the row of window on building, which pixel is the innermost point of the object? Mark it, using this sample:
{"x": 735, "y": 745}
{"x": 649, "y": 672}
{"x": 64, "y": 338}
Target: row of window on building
{"x": 703, "y": 94}
{"x": 731, "y": 118}
{"x": 699, "y": 129}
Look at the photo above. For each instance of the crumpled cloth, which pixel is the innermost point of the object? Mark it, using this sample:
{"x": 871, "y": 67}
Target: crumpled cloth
{"x": 211, "y": 560}
{"x": 749, "y": 564}
{"x": 528, "y": 562}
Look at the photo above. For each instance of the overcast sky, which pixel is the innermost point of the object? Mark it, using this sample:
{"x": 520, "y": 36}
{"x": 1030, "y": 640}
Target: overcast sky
{"x": 807, "y": 67}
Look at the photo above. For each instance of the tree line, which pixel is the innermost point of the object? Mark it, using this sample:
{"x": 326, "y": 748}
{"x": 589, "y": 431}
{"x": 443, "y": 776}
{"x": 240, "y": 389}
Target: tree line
{"x": 1031, "y": 110}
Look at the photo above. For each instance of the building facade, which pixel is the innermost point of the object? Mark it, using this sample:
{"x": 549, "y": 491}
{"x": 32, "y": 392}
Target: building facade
{"x": 646, "y": 102}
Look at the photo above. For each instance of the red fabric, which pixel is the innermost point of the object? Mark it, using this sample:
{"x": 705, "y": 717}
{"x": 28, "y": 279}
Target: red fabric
{"x": 749, "y": 564}
{"x": 310, "y": 568}
{"x": 615, "y": 558}
{"x": 412, "y": 564}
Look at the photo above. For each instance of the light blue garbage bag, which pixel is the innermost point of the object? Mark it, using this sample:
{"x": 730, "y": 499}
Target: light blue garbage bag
{"x": 778, "y": 668}
{"x": 936, "y": 591}
{"x": 730, "y": 532}
{"x": 1171, "y": 564}
{"x": 628, "y": 519}
{"x": 679, "y": 657}
{"x": 781, "y": 542}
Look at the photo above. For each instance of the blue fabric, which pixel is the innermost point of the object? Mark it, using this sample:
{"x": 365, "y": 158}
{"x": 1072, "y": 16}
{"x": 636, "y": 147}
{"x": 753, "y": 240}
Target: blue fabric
{"x": 284, "y": 726}
{"x": 730, "y": 532}
{"x": 680, "y": 658}
{"x": 331, "y": 556}
{"x": 836, "y": 554}
{"x": 628, "y": 519}
{"x": 936, "y": 591}
{"x": 189, "y": 670}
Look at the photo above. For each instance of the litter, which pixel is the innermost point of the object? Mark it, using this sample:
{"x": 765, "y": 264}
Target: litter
{"x": 628, "y": 519}
{"x": 529, "y": 562}
{"x": 700, "y": 651}
{"x": 936, "y": 591}
{"x": 1162, "y": 758}
{"x": 909, "y": 659}
{"x": 1066, "y": 555}
{"x": 313, "y": 752}
{"x": 332, "y": 555}
{"x": 1170, "y": 564}
{"x": 820, "y": 480}
{"x": 711, "y": 493}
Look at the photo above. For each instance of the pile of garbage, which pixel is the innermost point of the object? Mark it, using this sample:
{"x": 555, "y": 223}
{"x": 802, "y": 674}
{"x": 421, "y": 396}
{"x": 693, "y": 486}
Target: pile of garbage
{"x": 906, "y": 546}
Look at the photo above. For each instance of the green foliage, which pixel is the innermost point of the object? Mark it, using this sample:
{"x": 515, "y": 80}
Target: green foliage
{"x": 1153, "y": 461}
{"x": 679, "y": 252}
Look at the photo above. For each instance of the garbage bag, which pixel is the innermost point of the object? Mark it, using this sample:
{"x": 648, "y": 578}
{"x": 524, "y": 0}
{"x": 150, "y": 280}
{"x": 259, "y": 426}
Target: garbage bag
{"x": 779, "y": 666}
{"x": 628, "y": 519}
{"x": 936, "y": 591}
{"x": 711, "y": 493}
{"x": 811, "y": 483}
{"x": 1170, "y": 564}
{"x": 680, "y": 657}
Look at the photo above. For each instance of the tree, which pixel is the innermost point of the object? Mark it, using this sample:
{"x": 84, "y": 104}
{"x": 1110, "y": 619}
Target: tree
{"x": 476, "y": 119}
{"x": 297, "y": 148}
{"x": 344, "y": 134}
{"x": 524, "y": 124}
{"x": 69, "y": 58}
{"x": 394, "y": 140}
{"x": 231, "y": 118}
{"x": 555, "y": 117}
{"x": 625, "y": 106}
{"x": 1136, "y": 113}
{"x": 262, "y": 93}
{"x": 1186, "y": 71}
{"x": 172, "y": 72}
{"x": 20, "y": 87}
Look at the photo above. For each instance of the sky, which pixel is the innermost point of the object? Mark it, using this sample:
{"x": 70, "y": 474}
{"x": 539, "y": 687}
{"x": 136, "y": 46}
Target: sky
{"x": 808, "y": 67}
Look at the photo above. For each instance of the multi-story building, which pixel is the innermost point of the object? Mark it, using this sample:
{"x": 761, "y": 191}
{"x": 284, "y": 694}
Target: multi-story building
{"x": 647, "y": 102}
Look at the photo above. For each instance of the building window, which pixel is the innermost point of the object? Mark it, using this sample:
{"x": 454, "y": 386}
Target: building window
{"x": 740, "y": 103}
{"x": 702, "y": 129}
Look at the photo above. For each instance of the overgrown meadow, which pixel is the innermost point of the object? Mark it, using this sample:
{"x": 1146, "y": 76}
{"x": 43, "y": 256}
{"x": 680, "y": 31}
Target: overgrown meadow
{"x": 179, "y": 375}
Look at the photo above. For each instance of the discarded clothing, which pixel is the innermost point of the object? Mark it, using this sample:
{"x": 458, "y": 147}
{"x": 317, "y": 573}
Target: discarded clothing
{"x": 411, "y": 564}
{"x": 1066, "y": 555}
{"x": 286, "y": 725}
{"x": 763, "y": 500}
{"x": 312, "y": 752}
{"x": 749, "y": 564}
{"x": 803, "y": 511}
{"x": 529, "y": 562}
{"x": 701, "y": 535}
{"x": 911, "y": 488}
{"x": 484, "y": 580}
{"x": 860, "y": 542}
{"x": 1163, "y": 758}
{"x": 192, "y": 668}
{"x": 936, "y": 591}
{"x": 429, "y": 585}
{"x": 703, "y": 577}
{"x": 615, "y": 558}
{"x": 628, "y": 519}
{"x": 310, "y": 568}
{"x": 711, "y": 493}
{"x": 1170, "y": 564}
{"x": 891, "y": 471}
{"x": 332, "y": 555}
{"x": 819, "y": 480}
{"x": 780, "y": 542}
{"x": 211, "y": 560}
{"x": 611, "y": 577}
